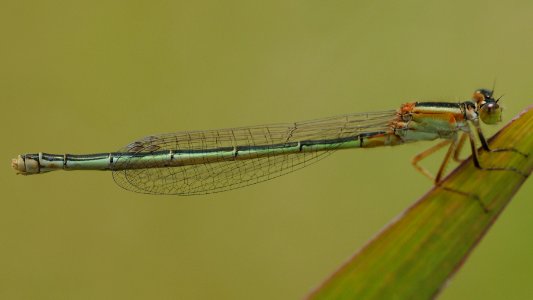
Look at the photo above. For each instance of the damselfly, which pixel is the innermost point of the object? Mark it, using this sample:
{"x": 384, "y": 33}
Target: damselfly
{"x": 210, "y": 161}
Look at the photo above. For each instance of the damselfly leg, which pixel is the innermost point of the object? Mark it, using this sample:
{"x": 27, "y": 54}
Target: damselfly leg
{"x": 454, "y": 149}
{"x": 485, "y": 146}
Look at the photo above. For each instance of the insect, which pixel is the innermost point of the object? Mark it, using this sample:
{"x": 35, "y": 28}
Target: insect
{"x": 210, "y": 161}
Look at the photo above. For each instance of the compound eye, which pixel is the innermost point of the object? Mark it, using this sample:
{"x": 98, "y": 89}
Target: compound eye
{"x": 490, "y": 113}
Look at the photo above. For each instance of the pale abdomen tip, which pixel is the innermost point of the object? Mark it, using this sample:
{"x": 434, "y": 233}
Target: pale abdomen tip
{"x": 18, "y": 164}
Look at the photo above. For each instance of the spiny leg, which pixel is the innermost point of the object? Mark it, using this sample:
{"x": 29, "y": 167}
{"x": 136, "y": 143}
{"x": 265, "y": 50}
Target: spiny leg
{"x": 454, "y": 149}
{"x": 475, "y": 157}
{"x": 425, "y": 154}
{"x": 459, "y": 147}
{"x": 455, "y": 146}
{"x": 451, "y": 150}
{"x": 486, "y": 147}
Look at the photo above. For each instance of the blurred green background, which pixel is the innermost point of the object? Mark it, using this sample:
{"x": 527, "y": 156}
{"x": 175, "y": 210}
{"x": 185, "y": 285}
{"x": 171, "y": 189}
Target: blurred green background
{"x": 92, "y": 76}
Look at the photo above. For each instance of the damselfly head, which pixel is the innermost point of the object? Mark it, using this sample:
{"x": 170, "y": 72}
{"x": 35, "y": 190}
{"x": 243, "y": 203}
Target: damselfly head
{"x": 489, "y": 110}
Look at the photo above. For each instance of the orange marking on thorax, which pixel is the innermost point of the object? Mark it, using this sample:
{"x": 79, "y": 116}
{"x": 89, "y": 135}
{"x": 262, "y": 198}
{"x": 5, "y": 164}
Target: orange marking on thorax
{"x": 459, "y": 117}
{"x": 407, "y": 107}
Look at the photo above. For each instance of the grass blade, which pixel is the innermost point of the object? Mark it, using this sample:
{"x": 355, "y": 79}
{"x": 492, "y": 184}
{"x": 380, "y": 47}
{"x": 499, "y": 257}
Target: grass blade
{"x": 413, "y": 257}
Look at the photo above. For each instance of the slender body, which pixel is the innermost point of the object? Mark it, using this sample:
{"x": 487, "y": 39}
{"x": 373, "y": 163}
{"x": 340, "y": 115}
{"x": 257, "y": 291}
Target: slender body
{"x": 201, "y": 162}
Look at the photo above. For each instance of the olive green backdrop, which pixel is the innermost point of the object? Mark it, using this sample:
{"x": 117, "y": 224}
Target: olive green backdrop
{"x": 92, "y": 76}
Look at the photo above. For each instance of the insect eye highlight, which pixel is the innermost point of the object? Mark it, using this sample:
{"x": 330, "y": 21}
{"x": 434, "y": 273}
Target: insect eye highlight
{"x": 490, "y": 112}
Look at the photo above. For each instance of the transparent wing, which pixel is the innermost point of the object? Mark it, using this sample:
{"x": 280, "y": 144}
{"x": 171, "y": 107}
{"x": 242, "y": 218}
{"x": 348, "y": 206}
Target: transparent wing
{"x": 220, "y": 176}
